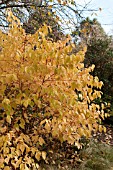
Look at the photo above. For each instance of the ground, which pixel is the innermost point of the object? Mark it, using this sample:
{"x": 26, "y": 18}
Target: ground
{"x": 67, "y": 157}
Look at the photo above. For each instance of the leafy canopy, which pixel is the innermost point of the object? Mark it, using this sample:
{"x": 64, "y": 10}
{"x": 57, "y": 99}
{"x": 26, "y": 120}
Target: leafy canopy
{"x": 45, "y": 92}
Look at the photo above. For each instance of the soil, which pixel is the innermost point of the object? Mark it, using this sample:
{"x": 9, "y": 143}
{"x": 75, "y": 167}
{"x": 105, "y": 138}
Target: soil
{"x": 105, "y": 137}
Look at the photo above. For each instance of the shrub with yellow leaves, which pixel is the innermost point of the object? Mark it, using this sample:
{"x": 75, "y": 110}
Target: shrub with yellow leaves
{"x": 44, "y": 90}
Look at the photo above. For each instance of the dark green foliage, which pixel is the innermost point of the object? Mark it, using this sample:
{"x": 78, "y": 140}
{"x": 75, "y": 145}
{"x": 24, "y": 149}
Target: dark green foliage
{"x": 100, "y": 53}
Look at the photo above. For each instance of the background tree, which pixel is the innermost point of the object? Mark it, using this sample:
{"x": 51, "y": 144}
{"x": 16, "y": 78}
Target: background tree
{"x": 41, "y": 17}
{"x": 69, "y": 13}
{"x": 89, "y": 30}
{"x": 100, "y": 53}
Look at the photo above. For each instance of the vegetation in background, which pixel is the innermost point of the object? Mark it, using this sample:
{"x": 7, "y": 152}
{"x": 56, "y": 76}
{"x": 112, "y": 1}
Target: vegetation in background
{"x": 100, "y": 53}
{"x": 25, "y": 9}
{"x": 41, "y": 17}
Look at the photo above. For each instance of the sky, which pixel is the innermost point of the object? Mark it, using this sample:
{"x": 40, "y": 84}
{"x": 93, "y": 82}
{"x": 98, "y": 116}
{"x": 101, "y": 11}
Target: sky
{"x": 105, "y": 16}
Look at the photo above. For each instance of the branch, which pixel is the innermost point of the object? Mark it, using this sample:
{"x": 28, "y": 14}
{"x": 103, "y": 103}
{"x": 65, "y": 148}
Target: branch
{"x": 21, "y": 5}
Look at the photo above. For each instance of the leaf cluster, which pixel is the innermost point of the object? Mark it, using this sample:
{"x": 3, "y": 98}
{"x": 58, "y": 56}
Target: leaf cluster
{"x": 44, "y": 92}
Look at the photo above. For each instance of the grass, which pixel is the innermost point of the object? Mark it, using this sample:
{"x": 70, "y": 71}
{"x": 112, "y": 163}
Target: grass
{"x": 94, "y": 156}
{"x": 97, "y": 156}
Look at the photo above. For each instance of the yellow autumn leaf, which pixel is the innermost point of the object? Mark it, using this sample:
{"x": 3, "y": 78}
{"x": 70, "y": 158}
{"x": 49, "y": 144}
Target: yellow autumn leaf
{"x": 44, "y": 155}
{"x": 21, "y": 147}
{"x": 7, "y": 160}
{"x": 104, "y": 128}
{"x": 78, "y": 145}
{"x": 6, "y": 101}
{"x": 37, "y": 166}
{"x": 6, "y": 168}
{"x": 59, "y": 1}
{"x": 26, "y": 102}
{"x": 8, "y": 119}
{"x": 38, "y": 155}
{"x": 41, "y": 141}
{"x": 100, "y": 128}
{"x": 33, "y": 150}
{"x": 22, "y": 123}
{"x": 106, "y": 114}
{"x": 18, "y": 152}
{"x": 47, "y": 126}
{"x": 18, "y": 162}
{"x": 49, "y": 13}
{"x": 90, "y": 126}
{"x": 22, "y": 166}
{"x": 26, "y": 167}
